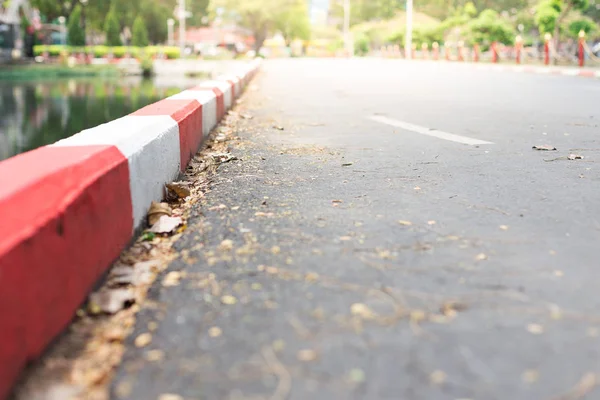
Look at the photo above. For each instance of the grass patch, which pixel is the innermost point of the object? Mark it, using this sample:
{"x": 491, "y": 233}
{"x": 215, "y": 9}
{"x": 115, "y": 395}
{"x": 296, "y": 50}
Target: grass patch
{"x": 57, "y": 71}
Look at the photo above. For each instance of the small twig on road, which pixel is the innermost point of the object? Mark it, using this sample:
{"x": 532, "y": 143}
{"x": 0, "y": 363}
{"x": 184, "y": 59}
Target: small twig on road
{"x": 586, "y": 384}
{"x": 300, "y": 329}
{"x": 488, "y": 208}
{"x": 285, "y": 379}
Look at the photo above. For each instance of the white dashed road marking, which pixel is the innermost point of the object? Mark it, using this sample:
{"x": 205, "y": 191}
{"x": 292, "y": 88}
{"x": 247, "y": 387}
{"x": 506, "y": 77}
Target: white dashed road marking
{"x": 427, "y": 131}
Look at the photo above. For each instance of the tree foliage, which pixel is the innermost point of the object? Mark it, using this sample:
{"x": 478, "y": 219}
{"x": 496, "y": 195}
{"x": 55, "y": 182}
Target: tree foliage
{"x": 112, "y": 29}
{"x": 366, "y": 10}
{"x": 293, "y": 22}
{"x": 75, "y": 33}
{"x": 584, "y": 24}
{"x": 199, "y": 10}
{"x": 488, "y": 27}
{"x": 263, "y": 17}
{"x": 140, "y": 33}
{"x": 551, "y": 13}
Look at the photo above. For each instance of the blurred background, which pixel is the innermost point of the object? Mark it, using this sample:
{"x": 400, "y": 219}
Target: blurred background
{"x": 50, "y": 49}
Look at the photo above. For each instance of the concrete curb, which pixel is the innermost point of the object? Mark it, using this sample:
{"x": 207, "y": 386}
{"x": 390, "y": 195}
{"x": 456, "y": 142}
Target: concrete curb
{"x": 69, "y": 209}
{"x": 586, "y": 73}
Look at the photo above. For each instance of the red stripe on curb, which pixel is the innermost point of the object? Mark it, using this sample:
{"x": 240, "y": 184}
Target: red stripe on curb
{"x": 68, "y": 215}
{"x": 188, "y": 115}
{"x": 587, "y": 73}
{"x": 220, "y": 99}
{"x": 233, "y": 91}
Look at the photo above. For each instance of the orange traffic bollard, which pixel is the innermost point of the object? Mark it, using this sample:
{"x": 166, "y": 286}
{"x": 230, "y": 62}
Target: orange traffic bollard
{"x": 461, "y": 47}
{"x": 447, "y": 51}
{"x": 581, "y": 48}
{"x": 547, "y": 38}
{"x": 476, "y": 52}
{"x": 436, "y": 50}
{"x": 518, "y": 46}
{"x": 494, "y": 52}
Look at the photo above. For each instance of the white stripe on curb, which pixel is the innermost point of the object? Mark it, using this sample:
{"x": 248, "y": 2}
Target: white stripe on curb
{"x": 224, "y": 87}
{"x": 151, "y": 146}
{"x": 429, "y": 132}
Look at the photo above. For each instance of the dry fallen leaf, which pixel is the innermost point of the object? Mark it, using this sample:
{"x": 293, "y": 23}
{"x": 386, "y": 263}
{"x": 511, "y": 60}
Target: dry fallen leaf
{"x": 437, "y": 377}
{"x": 481, "y": 257}
{"x": 544, "y": 147}
{"x": 263, "y": 214}
{"x": 278, "y": 127}
{"x": 226, "y": 245}
{"x": 356, "y": 375}
{"x": 110, "y": 301}
{"x": 417, "y": 315}
{"x": 504, "y": 227}
{"x": 158, "y": 210}
{"x": 451, "y": 308}
{"x": 166, "y": 224}
{"x": 180, "y": 189}
{"x": 215, "y": 331}
{"x": 222, "y": 158}
{"x": 170, "y": 396}
{"x": 405, "y": 223}
{"x": 311, "y": 277}
{"x": 307, "y": 355}
{"x": 432, "y": 222}
{"x": 271, "y": 270}
{"x": 155, "y": 355}
{"x": 228, "y": 300}
{"x": 362, "y": 310}
{"x": 347, "y": 164}
{"x": 143, "y": 340}
{"x": 530, "y": 376}
{"x": 575, "y": 157}
{"x": 535, "y": 329}
{"x": 172, "y": 279}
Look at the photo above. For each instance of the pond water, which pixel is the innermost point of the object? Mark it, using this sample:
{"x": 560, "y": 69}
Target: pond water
{"x": 37, "y": 113}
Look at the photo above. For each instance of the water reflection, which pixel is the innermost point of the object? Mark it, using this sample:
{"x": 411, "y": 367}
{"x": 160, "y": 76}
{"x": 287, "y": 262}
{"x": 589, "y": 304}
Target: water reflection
{"x": 33, "y": 114}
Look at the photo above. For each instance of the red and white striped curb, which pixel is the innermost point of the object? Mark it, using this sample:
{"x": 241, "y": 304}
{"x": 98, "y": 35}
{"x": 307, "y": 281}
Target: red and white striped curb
{"x": 588, "y": 73}
{"x": 69, "y": 209}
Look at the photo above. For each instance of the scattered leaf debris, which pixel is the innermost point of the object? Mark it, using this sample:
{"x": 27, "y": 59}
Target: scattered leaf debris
{"x": 158, "y": 210}
{"x": 166, "y": 224}
{"x": 307, "y": 355}
{"x": 575, "y": 157}
{"x": 535, "y": 329}
{"x": 544, "y": 147}
{"x": 143, "y": 340}
{"x": 178, "y": 189}
{"x": 110, "y": 301}
{"x": 228, "y": 300}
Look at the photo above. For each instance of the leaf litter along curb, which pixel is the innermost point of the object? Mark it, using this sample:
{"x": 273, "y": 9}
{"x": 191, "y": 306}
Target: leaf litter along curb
{"x": 80, "y": 365}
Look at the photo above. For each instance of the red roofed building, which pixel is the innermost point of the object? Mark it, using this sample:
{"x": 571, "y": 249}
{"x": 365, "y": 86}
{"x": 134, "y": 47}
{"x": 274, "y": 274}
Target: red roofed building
{"x": 231, "y": 37}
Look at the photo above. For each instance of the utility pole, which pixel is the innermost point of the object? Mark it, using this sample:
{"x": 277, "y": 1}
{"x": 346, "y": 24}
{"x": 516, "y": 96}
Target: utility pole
{"x": 347, "y": 44}
{"x": 409, "y": 29}
{"x": 181, "y": 16}
{"x": 170, "y": 24}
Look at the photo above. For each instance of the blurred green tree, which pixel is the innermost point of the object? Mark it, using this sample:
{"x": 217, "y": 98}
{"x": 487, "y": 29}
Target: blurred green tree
{"x": 75, "y": 33}
{"x": 140, "y": 33}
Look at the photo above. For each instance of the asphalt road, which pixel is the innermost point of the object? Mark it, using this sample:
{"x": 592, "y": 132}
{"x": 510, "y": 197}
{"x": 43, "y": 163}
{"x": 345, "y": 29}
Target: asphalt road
{"x": 491, "y": 291}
